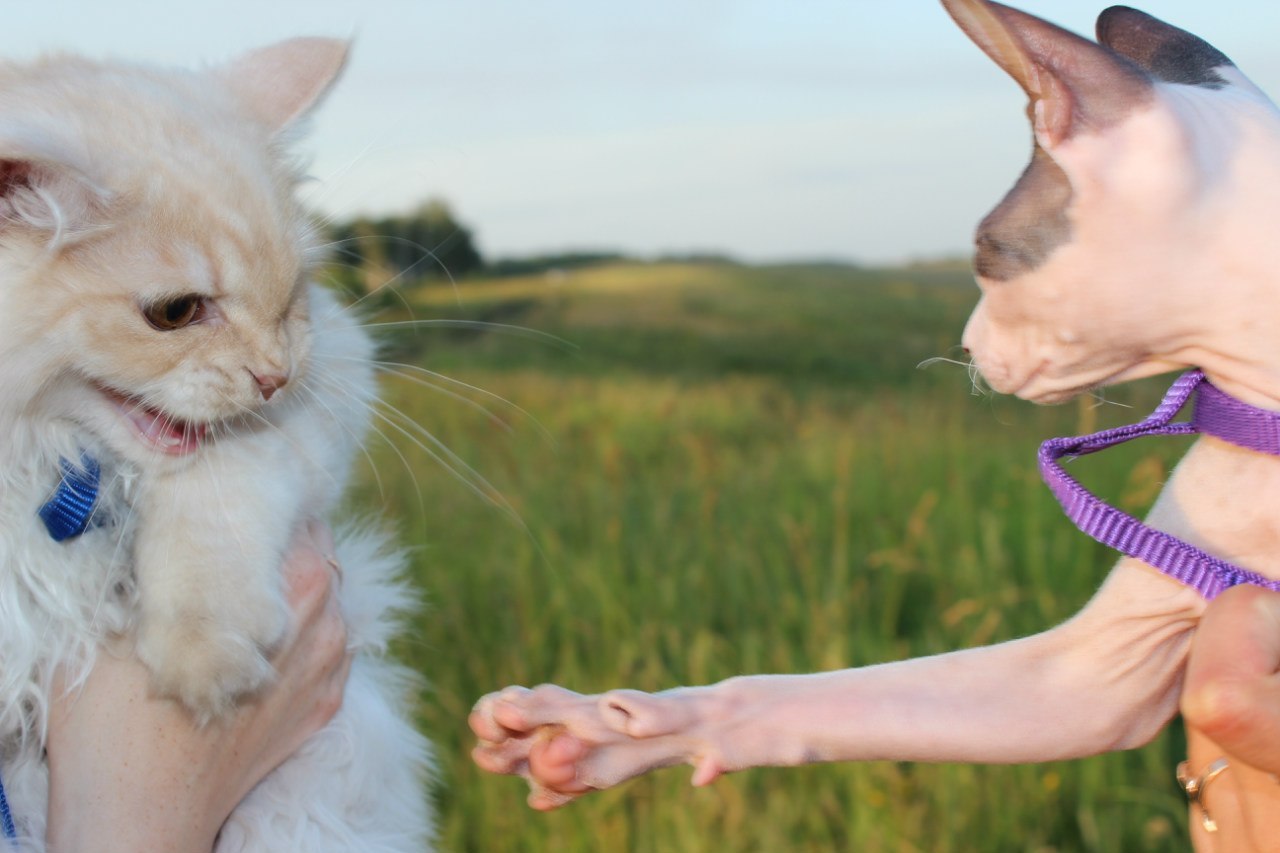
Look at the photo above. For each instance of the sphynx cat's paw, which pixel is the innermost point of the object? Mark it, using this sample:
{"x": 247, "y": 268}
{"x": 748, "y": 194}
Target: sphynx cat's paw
{"x": 566, "y": 744}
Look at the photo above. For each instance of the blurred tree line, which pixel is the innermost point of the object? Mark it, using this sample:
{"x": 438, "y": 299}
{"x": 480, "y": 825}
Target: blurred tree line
{"x": 427, "y": 244}
{"x": 430, "y": 245}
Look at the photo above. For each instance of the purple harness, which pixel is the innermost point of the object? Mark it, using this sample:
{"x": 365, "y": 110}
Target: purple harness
{"x": 1215, "y": 414}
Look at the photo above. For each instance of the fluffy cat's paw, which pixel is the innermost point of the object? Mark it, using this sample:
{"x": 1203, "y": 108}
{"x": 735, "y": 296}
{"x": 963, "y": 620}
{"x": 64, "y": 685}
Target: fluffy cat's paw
{"x": 207, "y": 661}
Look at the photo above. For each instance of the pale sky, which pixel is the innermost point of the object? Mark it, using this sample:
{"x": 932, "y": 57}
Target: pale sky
{"x": 867, "y": 130}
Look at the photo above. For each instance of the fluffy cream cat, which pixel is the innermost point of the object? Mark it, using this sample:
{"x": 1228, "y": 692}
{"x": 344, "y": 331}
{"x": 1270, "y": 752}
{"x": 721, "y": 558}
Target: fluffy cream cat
{"x": 156, "y": 318}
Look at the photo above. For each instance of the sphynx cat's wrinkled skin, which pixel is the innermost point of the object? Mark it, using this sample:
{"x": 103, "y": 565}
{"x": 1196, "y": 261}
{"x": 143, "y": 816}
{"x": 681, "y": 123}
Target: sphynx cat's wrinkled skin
{"x": 1140, "y": 240}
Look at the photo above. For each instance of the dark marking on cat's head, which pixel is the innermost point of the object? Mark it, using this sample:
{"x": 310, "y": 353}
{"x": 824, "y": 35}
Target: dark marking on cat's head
{"x": 1024, "y": 229}
{"x": 1075, "y": 86}
{"x": 1162, "y": 50}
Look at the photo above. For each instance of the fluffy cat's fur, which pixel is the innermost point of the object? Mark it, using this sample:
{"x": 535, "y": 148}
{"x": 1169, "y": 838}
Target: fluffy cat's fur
{"x": 1139, "y": 240}
{"x": 156, "y": 314}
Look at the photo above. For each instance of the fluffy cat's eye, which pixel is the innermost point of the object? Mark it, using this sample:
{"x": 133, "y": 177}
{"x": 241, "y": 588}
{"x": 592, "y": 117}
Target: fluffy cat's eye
{"x": 166, "y": 315}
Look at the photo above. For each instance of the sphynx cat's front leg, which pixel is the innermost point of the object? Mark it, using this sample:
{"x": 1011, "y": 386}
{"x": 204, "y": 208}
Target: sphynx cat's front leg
{"x": 1107, "y": 679}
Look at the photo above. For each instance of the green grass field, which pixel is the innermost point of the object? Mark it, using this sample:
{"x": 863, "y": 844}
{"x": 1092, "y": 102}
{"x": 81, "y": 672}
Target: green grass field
{"x": 719, "y": 470}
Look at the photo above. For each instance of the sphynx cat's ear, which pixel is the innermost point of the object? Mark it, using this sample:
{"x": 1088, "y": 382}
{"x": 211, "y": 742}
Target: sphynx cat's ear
{"x": 1165, "y": 52}
{"x": 1074, "y": 84}
{"x": 280, "y": 83}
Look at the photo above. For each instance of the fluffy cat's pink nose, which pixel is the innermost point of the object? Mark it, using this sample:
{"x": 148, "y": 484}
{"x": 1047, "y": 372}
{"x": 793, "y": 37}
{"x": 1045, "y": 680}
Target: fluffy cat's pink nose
{"x": 270, "y": 384}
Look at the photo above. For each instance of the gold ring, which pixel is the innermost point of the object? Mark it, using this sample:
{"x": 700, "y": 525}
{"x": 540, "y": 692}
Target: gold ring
{"x": 333, "y": 564}
{"x": 1194, "y": 788}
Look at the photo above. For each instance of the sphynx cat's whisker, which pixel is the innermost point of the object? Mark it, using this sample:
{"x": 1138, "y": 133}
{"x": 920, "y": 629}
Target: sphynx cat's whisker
{"x": 977, "y": 387}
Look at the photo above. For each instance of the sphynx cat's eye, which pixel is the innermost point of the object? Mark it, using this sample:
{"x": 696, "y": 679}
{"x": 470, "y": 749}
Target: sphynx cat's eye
{"x": 166, "y": 315}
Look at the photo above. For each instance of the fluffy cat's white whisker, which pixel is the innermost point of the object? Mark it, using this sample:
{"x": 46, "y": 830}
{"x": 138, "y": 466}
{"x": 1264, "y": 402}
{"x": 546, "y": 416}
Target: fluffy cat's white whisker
{"x": 331, "y": 183}
{"x": 316, "y": 398}
{"x": 428, "y": 443}
{"x": 408, "y": 468}
{"x": 484, "y": 325}
{"x": 427, "y": 255}
{"x": 425, "y": 375}
{"x": 126, "y": 521}
{"x": 224, "y": 502}
{"x": 439, "y": 453}
{"x": 257, "y": 416}
{"x": 357, "y": 303}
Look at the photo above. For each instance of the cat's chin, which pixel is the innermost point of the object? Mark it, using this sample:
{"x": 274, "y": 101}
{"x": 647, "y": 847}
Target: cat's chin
{"x": 155, "y": 428}
{"x": 1036, "y": 390}
{"x": 1043, "y": 394}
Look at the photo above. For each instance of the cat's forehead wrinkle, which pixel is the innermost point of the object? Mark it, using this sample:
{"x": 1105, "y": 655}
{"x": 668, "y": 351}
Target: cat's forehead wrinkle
{"x": 241, "y": 232}
{"x": 193, "y": 269}
{"x": 1164, "y": 51}
{"x": 1020, "y": 234}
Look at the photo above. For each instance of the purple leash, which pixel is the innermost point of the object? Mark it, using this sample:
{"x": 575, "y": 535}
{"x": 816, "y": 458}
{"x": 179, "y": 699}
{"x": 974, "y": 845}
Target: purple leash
{"x": 1215, "y": 414}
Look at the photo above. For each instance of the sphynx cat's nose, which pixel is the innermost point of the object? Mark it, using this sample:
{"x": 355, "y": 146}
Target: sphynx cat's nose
{"x": 270, "y": 384}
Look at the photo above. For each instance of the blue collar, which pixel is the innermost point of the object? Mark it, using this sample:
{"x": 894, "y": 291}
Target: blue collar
{"x": 70, "y": 511}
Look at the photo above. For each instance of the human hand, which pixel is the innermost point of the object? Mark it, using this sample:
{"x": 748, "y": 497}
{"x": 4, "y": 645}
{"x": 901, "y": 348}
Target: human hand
{"x": 133, "y": 772}
{"x": 1232, "y": 689}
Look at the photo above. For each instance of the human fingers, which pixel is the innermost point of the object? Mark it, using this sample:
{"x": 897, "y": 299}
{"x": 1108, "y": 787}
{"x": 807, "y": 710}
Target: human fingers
{"x": 313, "y": 662}
{"x": 1232, "y": 689}
{"x": 311, "y": 569}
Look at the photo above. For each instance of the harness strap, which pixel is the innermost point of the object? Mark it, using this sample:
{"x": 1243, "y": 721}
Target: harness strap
{"x": 1215, "y": 414}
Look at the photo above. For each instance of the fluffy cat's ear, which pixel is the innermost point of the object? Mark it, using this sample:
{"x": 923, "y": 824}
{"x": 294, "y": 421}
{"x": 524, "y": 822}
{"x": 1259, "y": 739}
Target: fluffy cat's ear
{"x": 1163, "y": 51}
{"x": 280, "y": 83}
{"x": 44, "y": 188}
{"x": 1074, "y": 84}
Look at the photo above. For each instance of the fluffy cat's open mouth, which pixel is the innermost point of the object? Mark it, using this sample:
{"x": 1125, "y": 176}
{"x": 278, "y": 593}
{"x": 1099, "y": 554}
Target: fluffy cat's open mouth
{"x": 158, "y": 430}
